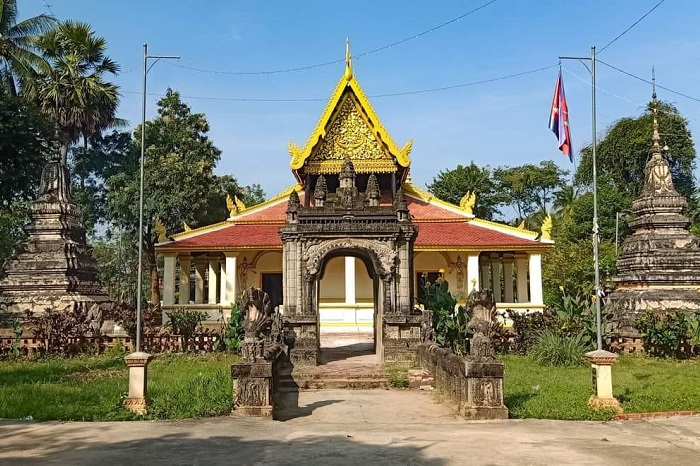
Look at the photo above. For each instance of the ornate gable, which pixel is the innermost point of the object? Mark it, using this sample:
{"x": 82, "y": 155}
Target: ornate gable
{"x": 349, "y": 127}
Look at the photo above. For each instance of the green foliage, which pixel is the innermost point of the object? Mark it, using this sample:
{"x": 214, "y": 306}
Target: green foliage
{"x": 555, "y": 348}
{"x": 68, "y": 85}
{"x": 449, "y": 320}
{"x": 12, "y": 220}
{"x": 452, "y": 185}
{"x": 527, "y": 327}
{"x": 25, "y": 146}
{"x": 233, "y": 331}
{"x": 117, "y": 260}
{"x": 91, "y": 388}
{"x": 623, "y": 152}
{"x": 398, "y": 376}
{"x": 253, "y": 195}
{"x": 17, "y": 330}
{"x": 569, "y": 265}
{"x": 674, "y": 334}
{"x": 185, "y": 322}
{"x": 529, "y": 188}
{"x": 56, "y": 328}
{"x": 124, "y": 314}
{"x": 576, "y": 318}
{"x": 18, "y": 54}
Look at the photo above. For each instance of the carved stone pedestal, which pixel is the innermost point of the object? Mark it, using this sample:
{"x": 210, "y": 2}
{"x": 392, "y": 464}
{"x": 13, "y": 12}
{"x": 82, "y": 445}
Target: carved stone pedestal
{"x": 484, "y": 390}
{"x": 252, "y": 389}
{"x": 138, "y": 382}
{"x": 302, "y": 335}
{"x": 601, "y": 371}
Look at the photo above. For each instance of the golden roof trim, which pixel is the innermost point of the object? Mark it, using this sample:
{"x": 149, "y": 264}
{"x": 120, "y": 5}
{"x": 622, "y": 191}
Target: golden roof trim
{"x": 422, "y": 195}
{"x": 300, "y": 155}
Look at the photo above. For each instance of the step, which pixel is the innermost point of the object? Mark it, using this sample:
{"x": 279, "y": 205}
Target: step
{"x": 320, "y": 384}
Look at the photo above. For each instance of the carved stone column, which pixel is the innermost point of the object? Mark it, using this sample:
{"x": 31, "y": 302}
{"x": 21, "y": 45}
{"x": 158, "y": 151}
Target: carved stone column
{"x": 138, "y": 382}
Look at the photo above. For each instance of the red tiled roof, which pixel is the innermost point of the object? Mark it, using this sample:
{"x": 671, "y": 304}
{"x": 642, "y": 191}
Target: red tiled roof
{"x": 466, "y": 234}
{"x": 453, "y": 231}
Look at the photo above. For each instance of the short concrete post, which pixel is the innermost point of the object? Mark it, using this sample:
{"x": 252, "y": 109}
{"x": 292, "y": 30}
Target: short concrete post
{"x": 601, "y": 369}
{"x": 138, "y": 368}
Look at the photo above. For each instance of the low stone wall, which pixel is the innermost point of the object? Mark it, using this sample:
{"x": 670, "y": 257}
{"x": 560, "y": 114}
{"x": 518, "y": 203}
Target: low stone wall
{"x": 475, "y": 385}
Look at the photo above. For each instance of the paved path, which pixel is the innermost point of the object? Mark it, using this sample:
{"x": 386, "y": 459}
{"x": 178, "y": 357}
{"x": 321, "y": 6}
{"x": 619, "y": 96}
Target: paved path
{"x": 341, "y": 427}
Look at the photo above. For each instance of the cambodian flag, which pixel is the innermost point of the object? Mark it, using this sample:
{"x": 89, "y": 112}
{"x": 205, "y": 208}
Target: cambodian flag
{"x": 559, "y": 119}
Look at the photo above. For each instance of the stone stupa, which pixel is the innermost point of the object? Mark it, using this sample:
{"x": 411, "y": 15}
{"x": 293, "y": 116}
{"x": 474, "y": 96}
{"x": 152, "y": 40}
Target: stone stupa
{"x": 53, "y": 267}
{"x": 659, "y": 265}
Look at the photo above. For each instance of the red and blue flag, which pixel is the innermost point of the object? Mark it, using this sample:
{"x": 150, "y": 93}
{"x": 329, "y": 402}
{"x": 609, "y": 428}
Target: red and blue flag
{"x": 559, "y": 119}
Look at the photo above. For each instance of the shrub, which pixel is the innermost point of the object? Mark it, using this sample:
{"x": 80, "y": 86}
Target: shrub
{"x": 232, "y": 332}
{"x": 124, "y": 314}
{"x": 185, "y": 322}
{"x": 528, "y": 325}
{"x": 449, "y": 320}
{"x": 671, "y": 334}
{"x": 553, "y": 348}
{"x": 57, "y": 328}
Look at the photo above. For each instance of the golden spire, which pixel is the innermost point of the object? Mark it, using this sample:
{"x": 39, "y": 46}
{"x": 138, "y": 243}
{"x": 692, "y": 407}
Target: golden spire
{"x": 468, "y": 202}
{"x": 546, "y": 228}
{"x": 348, "y": 60}
{"x": 655, "y": 139}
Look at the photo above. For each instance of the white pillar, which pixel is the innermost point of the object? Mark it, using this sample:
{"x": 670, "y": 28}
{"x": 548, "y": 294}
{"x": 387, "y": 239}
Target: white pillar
{"x": 485, "y": 271}
{"x": 169, "y": 279}
{"x": 184, "y": 280}
{"x": 472, "y": 272}
{"x": 496, "y": 278}
{"x": 508, "y": 279}
{"x": 230, "y": 288}
{"x": 349, "y": 280}
{"x": 536, "y": 279}
{"x": 213, "y": 273}
{"x": 199, "y": 270}
{"x": 222, "y": 287}
{"x": 521, "y": 269}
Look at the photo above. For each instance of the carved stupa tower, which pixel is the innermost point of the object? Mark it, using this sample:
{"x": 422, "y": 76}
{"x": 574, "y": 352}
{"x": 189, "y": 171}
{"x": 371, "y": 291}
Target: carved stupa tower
{"x": 53, "y": 267}
{"x": 659, "y": 266}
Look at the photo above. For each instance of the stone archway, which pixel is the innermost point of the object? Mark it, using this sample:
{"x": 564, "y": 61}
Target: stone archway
{"x": 351, "y": 221}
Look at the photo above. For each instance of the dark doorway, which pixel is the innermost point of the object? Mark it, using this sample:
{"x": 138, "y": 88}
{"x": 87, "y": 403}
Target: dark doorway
{"x": 272, "y": 284}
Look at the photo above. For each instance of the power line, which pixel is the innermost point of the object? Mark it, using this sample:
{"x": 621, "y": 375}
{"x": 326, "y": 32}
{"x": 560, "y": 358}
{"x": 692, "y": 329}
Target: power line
{"x": 333, "y": 62}
{"x": 588, "y": 81}
{"x": 395, "y": 94}
{"x": 633, "y": 25}
{"x": 648, "y": 82}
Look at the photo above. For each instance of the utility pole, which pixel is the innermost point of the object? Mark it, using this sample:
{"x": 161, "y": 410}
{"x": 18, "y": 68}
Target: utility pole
{"x": 596, "y": 233}
{"x": 139, "y": 278}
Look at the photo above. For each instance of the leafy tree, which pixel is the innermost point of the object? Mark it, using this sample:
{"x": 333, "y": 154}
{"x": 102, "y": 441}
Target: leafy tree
{"x": 18, "y": 55}
{"x": 12, "y": 219}
{"x": 117, "y": 258}
{"x": 253, "y": 195}
{"x": 579, "y": 225}
{"x": 564, "y": 200}
{"x": 69, "y": 87}
{"x": 625, "y": 149}
{"x": 24, "y": 149}
{"x": 179, "y": 163}
{"x": 92, "y": 165}
{"x": 570, "y": 266}
{"x": 215, "y": 209}
{"x": 452, "y": 185}
{"x": 528, "y": 188}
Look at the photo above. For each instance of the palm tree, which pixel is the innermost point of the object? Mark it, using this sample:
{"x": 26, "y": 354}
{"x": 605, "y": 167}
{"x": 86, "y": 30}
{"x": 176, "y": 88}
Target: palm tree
{"x": 69, "y": 88}
{"x": 18, "y": 55}
{"x": 564, "y": 201}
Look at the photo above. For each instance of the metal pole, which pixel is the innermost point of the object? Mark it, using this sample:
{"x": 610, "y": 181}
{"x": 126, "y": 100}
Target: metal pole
{"x": 139, "y": 278}
{"x": 596, "y": 238}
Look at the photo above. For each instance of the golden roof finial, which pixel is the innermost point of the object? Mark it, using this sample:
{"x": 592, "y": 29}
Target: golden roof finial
{"x": 546, "y": 228}
{"x": 348, "y": 60}
{"x": 656, "y": 138}
{"x": 161, "y": 233}
{"x": 186, "y": 227}
{"x": 468, "y": 202}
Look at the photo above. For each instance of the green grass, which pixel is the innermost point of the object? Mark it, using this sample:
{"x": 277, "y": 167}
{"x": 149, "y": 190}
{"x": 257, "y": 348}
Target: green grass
{"x": 640, "y": 384}
{"x": 91, "y": 388}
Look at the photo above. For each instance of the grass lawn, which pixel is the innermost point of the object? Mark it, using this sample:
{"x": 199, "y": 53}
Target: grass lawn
{"x": 640, "y": 384}
{"x": 91, "y": 388}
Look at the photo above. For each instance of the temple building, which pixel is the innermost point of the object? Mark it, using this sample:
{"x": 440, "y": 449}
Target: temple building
{"x": 357, "y": 213}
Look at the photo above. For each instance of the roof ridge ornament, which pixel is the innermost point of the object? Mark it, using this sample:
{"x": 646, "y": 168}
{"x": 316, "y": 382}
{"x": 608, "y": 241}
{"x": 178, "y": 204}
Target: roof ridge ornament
{"x": 656, "y": 138}
{"x": 348, "y": 60}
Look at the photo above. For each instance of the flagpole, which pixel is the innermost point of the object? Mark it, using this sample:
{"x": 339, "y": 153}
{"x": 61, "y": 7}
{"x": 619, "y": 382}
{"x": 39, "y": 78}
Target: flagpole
{"x": 596, "y": 234}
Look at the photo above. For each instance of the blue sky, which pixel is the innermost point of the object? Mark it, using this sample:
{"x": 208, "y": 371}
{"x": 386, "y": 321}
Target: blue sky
{"x": 500, "y": 123}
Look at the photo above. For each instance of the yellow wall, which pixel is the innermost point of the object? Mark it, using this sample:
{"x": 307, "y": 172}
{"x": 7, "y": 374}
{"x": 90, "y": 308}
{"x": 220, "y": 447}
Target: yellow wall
{"x": 428, "y": 261}
{"x": 333, "y": 281}
{"x": 364, "y": 286}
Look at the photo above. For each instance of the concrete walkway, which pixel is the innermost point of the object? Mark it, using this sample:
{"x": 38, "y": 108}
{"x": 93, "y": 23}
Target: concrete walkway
{"x": 342, "y": 427}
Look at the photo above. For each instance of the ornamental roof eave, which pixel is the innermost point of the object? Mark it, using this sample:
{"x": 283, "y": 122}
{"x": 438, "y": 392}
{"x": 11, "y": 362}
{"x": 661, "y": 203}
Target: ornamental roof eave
{"x": 300, "y": 155}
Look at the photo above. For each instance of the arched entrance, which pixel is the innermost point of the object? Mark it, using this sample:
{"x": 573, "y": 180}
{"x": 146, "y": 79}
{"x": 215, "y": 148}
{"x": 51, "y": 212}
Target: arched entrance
{"x": 347, "y": 309}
